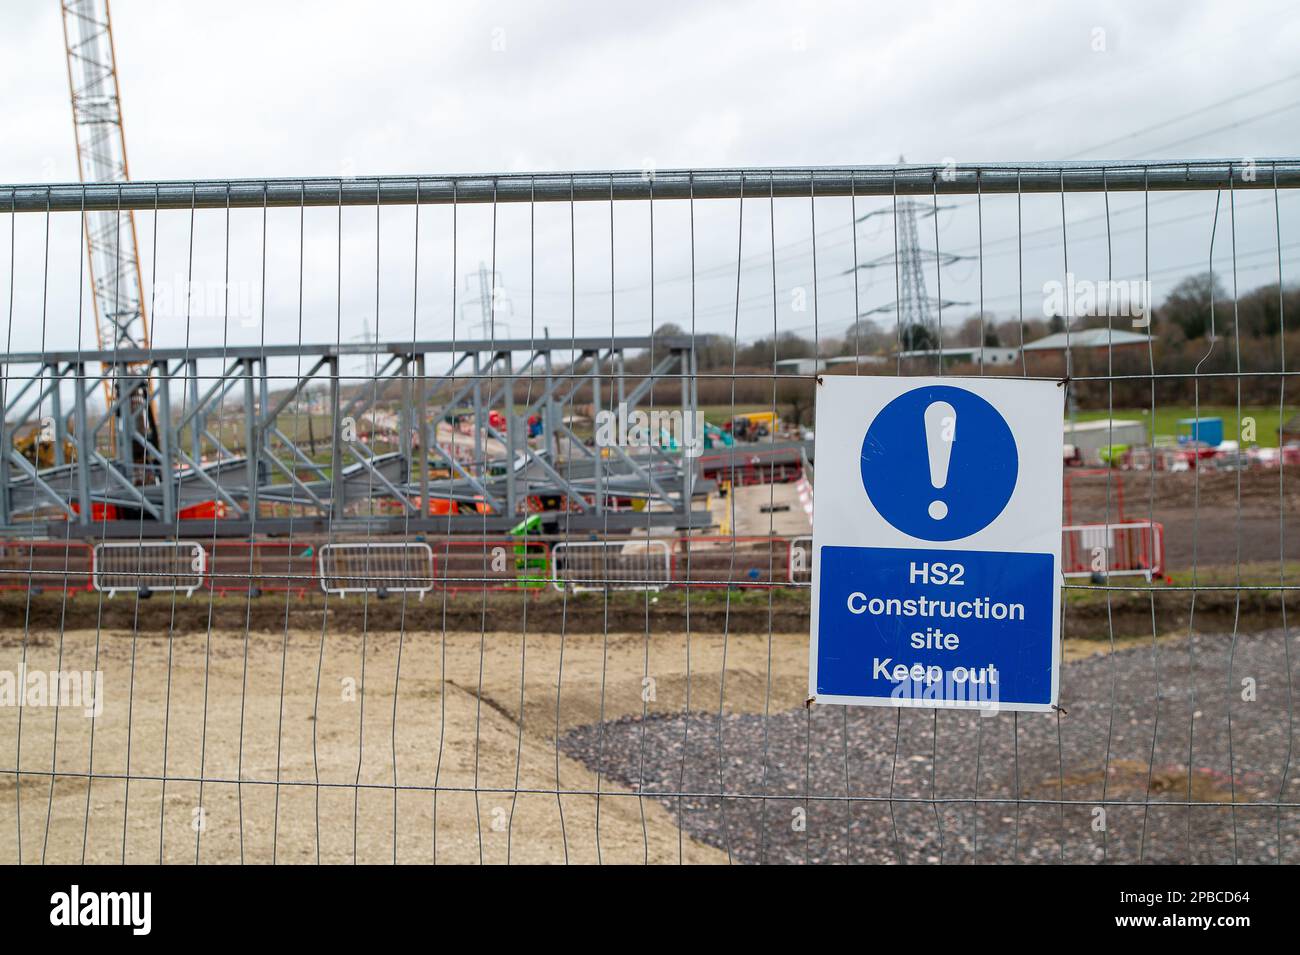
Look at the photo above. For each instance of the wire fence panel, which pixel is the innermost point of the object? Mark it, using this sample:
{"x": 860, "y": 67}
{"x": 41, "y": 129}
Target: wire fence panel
{"x": 468, "y": 518}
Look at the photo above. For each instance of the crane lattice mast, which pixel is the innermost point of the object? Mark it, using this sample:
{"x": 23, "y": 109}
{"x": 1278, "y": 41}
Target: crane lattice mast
{"x": 121, "y": 321}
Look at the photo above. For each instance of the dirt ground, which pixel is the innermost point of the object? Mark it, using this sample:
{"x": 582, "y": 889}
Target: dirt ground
{"x": 1200, "y": 513}
{"x": 785, "y": 515}
{"x": 230, "y": 709}
{"x": 1207, "y": 517}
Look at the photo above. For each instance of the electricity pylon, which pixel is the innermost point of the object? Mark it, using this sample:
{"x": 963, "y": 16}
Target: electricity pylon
{"x": 915, "y": 306}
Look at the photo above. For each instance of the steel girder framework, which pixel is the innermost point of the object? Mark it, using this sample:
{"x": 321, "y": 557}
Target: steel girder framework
{"x": 229, "y": 433}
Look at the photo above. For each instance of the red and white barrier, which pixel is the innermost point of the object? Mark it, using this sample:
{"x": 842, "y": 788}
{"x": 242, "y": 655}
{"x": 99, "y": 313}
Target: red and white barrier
{"x": 1131, "y": 549}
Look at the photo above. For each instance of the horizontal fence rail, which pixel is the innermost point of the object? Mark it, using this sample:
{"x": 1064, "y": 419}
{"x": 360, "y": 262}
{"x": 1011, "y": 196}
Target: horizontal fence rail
{"x": 957, "y": 179}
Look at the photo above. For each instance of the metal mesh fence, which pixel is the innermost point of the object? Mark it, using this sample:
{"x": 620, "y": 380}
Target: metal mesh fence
{"x": 467, "y": 519}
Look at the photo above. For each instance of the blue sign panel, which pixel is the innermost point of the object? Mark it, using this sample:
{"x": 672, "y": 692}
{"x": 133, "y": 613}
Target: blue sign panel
{"x": 969, "y": 627}
{"x": 936, "y": 543}
{"x": 939, "y": 463}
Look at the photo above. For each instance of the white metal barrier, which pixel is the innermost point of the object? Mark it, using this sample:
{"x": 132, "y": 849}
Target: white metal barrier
{"x": 146, "y": 566}
{"x": 379, "y": 568}
{"x": 611, "y": 565}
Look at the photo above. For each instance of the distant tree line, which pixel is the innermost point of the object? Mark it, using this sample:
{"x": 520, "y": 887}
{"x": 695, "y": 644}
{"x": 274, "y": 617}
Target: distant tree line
{"x": 1200, "y": 339}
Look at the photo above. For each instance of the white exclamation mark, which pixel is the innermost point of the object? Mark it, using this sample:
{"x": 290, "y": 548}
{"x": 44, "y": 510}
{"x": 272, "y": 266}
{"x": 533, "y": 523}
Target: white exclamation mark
{"x": 940, "y": 432}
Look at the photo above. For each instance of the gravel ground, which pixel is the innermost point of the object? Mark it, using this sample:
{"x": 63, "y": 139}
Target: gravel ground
{"x": 1042, "y": 779}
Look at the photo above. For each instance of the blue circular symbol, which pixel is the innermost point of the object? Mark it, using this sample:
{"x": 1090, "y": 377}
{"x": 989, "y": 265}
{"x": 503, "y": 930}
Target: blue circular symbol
{"x": 939, "y": 463}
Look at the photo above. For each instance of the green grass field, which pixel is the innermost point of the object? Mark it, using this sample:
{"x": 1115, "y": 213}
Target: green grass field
{"x": 1266, "y": 418}
{"x": 720, "y": 414}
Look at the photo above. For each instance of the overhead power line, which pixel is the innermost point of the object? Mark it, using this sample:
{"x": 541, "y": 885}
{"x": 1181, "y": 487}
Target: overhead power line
{"x": 1173, "y": 121}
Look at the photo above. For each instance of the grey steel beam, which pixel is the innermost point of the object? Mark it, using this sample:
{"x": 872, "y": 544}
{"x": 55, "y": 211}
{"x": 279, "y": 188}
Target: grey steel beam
{"x": 296, "y": 481}
{"x": 11, "y": 402}
{"x": 220, "y": 385}
{"x": 303, "y": 458}
{"x": 34, "y": 476}
{"x": 596, "y": 455}
{"x": 423, "y": 432}
{"x": 165, "y": 438}
{"x": 252, "y": 440}
{"x": 690, "y": 403}
{"x": 479, "y": 487}
{"x": 5, "y": 444}
{"x": 362, "y": 401}
{"x": 294, "y": 392}
{"x": 85, "y": 440}
{"x": 136, "y": 498}
{"x": 236, "y": 353}
{"x": 548, "y": 408}
{"x": 56, "y": 410}
{"x": 196, "y": 429}
{"x": 510, "y": 437}
{"x": 199, "y": 472}
{"x": 338, "y": 496}
{"x": 404, "y": 422}
{"x": 616, "y": 522}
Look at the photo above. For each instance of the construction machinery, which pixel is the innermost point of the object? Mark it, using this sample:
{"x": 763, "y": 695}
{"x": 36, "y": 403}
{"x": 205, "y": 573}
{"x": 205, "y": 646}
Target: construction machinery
{"x": 754, "y": 425}
{"x": 35, "y": 442}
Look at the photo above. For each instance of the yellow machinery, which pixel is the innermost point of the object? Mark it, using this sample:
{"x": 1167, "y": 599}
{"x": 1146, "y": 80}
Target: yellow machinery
{"x": 37, "y": 445}
{"x": 754, "y": 424}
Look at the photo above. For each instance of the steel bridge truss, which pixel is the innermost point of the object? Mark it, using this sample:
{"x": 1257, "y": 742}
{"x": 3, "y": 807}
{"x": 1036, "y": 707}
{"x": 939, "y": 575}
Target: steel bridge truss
{"x": 229, "y": 439}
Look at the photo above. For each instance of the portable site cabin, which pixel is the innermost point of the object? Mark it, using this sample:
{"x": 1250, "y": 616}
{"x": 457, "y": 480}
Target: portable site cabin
{"x": 1207, "y": 431}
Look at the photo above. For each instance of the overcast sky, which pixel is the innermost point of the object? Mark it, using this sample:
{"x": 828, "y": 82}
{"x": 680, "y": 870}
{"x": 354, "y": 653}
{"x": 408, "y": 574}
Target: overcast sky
{"x": 243, "y": 89}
